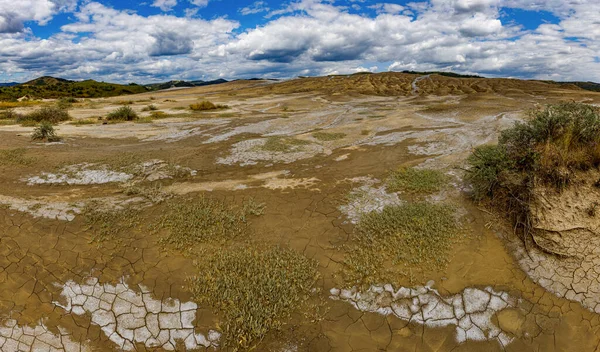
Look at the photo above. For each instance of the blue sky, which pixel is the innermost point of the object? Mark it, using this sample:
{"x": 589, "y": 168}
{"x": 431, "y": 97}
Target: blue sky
{"x": 158, "y": 40}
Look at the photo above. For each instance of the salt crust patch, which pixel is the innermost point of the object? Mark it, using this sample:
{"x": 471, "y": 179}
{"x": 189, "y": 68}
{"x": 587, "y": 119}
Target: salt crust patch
{"x": 128, "y": 317}
{"x": 367, "y": 198}
{"x": 470, "y": 311}
{"x": 249, "y": 152}
{"x": 15, "y": 338}
{"x": 95, "y": 174}
{"x": 80, "y": 174}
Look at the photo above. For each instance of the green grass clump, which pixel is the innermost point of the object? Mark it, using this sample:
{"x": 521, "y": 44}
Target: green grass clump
{"x": 254, "y": 290}
{"x": 418, "y": 235}
{"x": 45, "y": 132}
{"x": 124, "y": 113}
{"x": 15, "y": 157}
{"x": 207, "y": 105}
{"x": 52, "y": 115}
{"x": 327, "y": 137}
{"x": 407, "y": 179}
{"x": 282, "y": 144}
{"x": 205, "y": 220}
{"x": 107, "y": 225}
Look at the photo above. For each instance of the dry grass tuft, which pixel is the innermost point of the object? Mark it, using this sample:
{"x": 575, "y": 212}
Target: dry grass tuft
{"x": 415, "y": 180}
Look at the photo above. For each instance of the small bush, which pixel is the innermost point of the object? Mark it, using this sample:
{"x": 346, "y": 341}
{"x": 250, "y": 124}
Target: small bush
{"x": 327, "y": 137}
{"x": 45, "y": 132}
{"x": 415, "y": 181}
{"x": 124, "y": 113}
{"x": 66, "y": 103}
{"x": 254, "y": 290}
{"x": 51, "y": 115}
{"x": 150, "y": 107}
{"x": 207, "y": 105}
{"x": 9, "y": 114}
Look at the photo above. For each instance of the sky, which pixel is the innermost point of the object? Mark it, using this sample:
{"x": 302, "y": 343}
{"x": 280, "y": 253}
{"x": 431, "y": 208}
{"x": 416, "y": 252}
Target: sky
{"x": 159, "y": 40}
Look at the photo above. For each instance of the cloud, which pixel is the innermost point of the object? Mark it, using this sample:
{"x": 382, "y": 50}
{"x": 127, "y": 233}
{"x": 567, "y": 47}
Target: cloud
{"x": 14, "y": 13}
{"x": 256, "y": 7}
{"x": 170, "y": 43}
{"x": 165, "y": 5}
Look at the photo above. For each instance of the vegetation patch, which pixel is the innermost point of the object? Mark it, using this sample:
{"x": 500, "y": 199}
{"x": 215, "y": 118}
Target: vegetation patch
{"x": 15, "y": 157}
{"x": 150, "y": 107}
{"x": 282, "y": 144}
{"x": 328, "y": 137}
{"x": 153, "y": 193}
{"x": 204, "y": 220}
{"x": 547, "y": 149}
{"x": 109, "y": 225}
{"x": 52, "y": 115}
{"x": 83, "y": 122}
{"x": 45, "y": 132}
{"x": 207, "y": 105}
{"x": 387, "y": 243}
{"x": 254, "y": 290}
{"x": 124, "y": 113}
{"x": 408, "y": 179}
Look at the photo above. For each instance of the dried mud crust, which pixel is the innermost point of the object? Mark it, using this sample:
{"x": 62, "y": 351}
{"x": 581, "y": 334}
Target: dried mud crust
{"x": 563, "y": 254}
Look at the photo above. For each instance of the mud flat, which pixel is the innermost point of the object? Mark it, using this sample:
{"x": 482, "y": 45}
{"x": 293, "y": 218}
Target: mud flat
{"x": 87, "y": 262}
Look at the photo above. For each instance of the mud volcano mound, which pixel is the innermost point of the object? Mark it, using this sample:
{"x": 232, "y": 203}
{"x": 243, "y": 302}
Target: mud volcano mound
{"x": 544, "y": 174}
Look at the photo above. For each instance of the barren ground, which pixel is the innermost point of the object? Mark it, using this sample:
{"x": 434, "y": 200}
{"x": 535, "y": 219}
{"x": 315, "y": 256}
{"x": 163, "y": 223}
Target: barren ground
{"x": 54, "y": 278}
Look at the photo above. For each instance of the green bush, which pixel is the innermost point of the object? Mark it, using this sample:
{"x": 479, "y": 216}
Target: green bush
{"x": 547, "y": 149}
{"x": 124, "y": 113}
{"x": 51, "y": 115}
{"x": 45, "y": 132}
{"x": 206, "y": 105}
{"x": 254, "y": 290}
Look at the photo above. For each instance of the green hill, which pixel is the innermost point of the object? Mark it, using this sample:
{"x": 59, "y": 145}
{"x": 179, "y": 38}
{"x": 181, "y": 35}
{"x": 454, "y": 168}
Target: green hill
{"x": 51, "y": 87}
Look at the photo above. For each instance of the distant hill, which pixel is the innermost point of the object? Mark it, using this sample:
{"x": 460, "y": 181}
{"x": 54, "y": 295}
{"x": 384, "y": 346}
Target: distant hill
{"x": 52, "y": 87}
{"x": 441, "y": 73}
{"x": 592, "y": 86}
{"x": 180, "y": 84}
{"x": 8, "y": 84}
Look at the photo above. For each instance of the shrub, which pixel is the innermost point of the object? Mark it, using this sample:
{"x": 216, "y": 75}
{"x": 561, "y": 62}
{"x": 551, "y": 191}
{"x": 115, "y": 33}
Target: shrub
{"x": 124, "y": 113}
{"x": 9, "y": 114}
{"x": 66, "y": 103}
{"x": 45, "y": 132}
{"x": 206, "y": 105}
{"x": 415, "y": 180}
{"x": 547, "y": 149}
{"x": 51, "y": 115}
{"x": 150, "y": 107}
{"x": 254, "y": 290}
